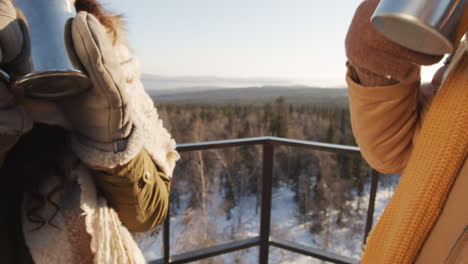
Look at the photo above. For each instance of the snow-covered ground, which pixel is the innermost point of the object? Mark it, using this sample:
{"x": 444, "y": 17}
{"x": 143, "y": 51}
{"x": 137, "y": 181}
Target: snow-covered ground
{"x": 193, "y": 229}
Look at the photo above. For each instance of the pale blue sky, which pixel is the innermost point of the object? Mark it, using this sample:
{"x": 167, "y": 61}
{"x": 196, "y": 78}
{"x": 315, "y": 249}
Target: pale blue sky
{"x": 298, "y": 40}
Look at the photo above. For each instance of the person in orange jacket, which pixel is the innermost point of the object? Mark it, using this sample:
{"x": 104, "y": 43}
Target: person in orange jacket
{"x": 79, "y": 173}
{"x": 419, "y": 130}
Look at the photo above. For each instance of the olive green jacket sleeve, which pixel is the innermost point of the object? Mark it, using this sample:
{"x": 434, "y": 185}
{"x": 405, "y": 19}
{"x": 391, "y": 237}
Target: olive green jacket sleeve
{"x": 138, "y": 191}
{"x": 385, "y": 122}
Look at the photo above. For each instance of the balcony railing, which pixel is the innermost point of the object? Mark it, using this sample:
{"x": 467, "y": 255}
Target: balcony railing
{"x": 264, "y": 240}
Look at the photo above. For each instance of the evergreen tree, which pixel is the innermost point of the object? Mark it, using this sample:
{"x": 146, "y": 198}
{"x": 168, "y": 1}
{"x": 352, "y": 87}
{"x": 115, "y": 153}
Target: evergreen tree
{"x": 279, "y": 122}
{"x": 332, "y": 134}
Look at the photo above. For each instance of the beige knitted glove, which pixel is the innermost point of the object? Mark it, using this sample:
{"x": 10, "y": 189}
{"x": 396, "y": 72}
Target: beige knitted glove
{"x": 14, "y": 58}
{"x": 100, "y": 116}
{"x": 369, "y": 50}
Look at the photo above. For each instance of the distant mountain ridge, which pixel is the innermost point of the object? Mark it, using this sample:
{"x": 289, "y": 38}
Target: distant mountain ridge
{"x": 171, "y": 83}
{"x": 253, "y": 95}
{"x": 221, "y": 90}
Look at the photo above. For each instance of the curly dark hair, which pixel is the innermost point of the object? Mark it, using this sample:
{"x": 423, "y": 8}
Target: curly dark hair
{"x": 37, "y": 158}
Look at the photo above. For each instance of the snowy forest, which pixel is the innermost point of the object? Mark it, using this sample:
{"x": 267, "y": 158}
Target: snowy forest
{"x": 319, "y": 198}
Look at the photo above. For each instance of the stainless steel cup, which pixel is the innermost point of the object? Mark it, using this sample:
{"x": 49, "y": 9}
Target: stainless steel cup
{"x": 427, "y": 26}
{"x": 53, "y": 74}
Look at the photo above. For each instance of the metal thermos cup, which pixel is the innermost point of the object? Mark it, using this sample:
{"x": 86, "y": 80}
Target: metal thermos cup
{"x": 53, "y": 74}
{"x": 427, "y": 26}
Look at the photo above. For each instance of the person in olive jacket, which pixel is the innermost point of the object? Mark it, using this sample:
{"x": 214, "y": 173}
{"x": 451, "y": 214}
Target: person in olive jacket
{"x": 79, "y": 173}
